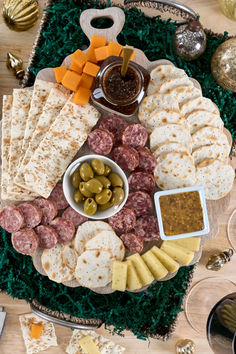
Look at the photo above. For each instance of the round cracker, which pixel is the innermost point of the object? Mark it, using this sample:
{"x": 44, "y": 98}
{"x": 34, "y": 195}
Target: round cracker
{"x": 175, "y": 170}
{"x": 94, "y": 268}
{"x": 216, "y": 177}
{"x": 170, "y": 133}
{"x": 54, "y": 266}
{"x": 213, "y": 151}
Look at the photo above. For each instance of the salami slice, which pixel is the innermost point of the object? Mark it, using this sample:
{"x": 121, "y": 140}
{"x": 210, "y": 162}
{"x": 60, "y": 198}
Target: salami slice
{"x": 135, "y": 135}
{"x": 115, "y": 125}
{"x": 64, "y": 228}
{"x": 76, "y": 218}
{"x": 25, "y": 241}
{"x": 126, "y": 157}
{"x": 147, "y": 228}
{"x": 147, "y": 161}
{"x": 123, "y": 221}
{"x": 140, "y": 202}
{"x": 100, "y": 141}
{"x": 11, "y": 218}
{"x": 132, "y": 242}
{"x": 47, "y": 236}
{"x": 58, "y": 196}
{"x": 48, "y": 208}
{"x": 141, "y": 181}
{"x": 32, "y": 214}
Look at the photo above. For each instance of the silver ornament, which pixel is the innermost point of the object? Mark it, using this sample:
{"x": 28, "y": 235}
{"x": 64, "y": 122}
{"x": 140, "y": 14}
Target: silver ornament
{"x": 189, "y": 41}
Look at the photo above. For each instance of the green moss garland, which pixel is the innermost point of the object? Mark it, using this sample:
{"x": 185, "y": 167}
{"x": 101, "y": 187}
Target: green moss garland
{"x": 154, "y": 310}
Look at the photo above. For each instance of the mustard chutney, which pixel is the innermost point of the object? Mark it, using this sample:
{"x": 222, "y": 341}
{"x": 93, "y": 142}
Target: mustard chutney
{"x": 181, "y": 213}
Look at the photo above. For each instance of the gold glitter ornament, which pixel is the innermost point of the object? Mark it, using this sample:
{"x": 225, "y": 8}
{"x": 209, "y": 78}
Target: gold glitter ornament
{"x": 216, "y": 261}
{"x": 20, "y": 15}
{"x": 223, "y": 65}
{"x": 185, "y": 346}
{"x": 15, "y": 64}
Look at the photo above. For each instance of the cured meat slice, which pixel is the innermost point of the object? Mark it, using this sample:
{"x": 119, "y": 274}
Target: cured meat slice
{"x": 141, "y": 181}
{"x": 126, "y": 157}
{"x": 135, "y": 135}
{"x": 140, "y": 202}
{"x": 25, "y": 241}
{"x": 147, "y": 227}
{"x": 132, "y": 242}
{"x": 147, "y": 161}
{"x": 64, "y": 228}
{"x": 58, "y": 196}
{"x": 32, "y": 214}
{"x": 100, "y": 141}
{"x": 115, "y": 125}
{"x": 11, "y": 218}
{"x": 49, "y": 209}
{"x": 76, "y": 218}
{"x": 47, "y": 236}
{"x": 123, "y": 221}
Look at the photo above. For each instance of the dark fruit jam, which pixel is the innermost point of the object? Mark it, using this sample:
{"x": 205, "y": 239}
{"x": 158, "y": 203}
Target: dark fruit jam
{"x": 121, "y": 88}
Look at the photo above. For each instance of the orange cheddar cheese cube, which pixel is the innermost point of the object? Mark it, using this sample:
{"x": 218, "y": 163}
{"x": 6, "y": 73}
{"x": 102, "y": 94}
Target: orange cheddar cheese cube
{"x": 98, "y": 41}
{"x": 59, "y": 73}
{"x": 76, "y": 68}
{"x": 91, "y": 69}
{"x": 86, "y": 81}
{"x": 79, "y": 58}
{"x": 36, "y": 330}
{"x": 114, "y": 48}
{"x": 132, "y": 55}
{"x": 71, "y": 80}
{"x": 91, "y": 55}
{"x": 82, "y": 96}
{"x": 101, "y": 53}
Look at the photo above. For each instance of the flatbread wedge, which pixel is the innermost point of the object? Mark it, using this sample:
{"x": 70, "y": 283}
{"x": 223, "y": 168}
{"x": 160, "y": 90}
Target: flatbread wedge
{"x": 216, "y": 177}
{"x": 88, "y": 230}
{"x": 61, "y": 143}
{"x": 175, "y": 170}
{"x": 94, "y": 268}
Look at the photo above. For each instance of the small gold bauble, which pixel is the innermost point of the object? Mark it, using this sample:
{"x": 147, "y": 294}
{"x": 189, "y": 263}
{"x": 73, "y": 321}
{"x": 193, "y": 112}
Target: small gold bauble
{"x": 185, "y": 346}
{"x": 20, "y": 15}
{"x": 223, "y": 65}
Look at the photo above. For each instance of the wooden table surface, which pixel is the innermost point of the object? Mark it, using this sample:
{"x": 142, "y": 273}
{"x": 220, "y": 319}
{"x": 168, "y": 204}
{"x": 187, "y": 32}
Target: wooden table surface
{"x": 11, "y": 341}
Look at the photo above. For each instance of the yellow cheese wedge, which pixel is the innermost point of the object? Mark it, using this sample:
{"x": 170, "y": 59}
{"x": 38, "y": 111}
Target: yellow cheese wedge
{"x": 141, "y": 268}
{"x": 119, "y": 275}
{"x": 88, "y": 345}
{"x": 178, "y": 253}
{"x": 155, "y": 266}
{"x": 36, "y": 330}
{"x": 166, "y": 260}
{"x": 191, "y": 243}
{"x": 133, "y": 281}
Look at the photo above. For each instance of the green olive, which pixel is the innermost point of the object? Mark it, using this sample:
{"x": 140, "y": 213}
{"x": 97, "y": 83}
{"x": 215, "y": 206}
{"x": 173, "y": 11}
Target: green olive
{"x": 107, "y": 170}
{"x": 86, "y": 172}
{"x": 78, "y": 196}
{"x": 90, "y": 206}
{"x": 105, "y": 206}
{"x": 84, "y": 190}
{"x": 104, "y": 180}
{"x": 104, "y": 196}
{"x": 75, "y": 179}
{"x": 98, "y": 166}
{"x": 117, "y": 196}
{"x": 94, "y": 185}
{"x": 115, "y": 179}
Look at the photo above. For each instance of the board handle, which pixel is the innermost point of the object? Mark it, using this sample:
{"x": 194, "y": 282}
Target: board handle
{"x": 113, "y": 13}
{"x": 64, "y": 319}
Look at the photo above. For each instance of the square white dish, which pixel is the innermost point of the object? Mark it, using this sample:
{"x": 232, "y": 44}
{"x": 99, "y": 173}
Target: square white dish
{"x": 200, "y": 190}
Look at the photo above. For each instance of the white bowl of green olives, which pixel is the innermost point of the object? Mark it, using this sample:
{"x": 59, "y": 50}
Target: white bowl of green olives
{"x": 95, "y": 186}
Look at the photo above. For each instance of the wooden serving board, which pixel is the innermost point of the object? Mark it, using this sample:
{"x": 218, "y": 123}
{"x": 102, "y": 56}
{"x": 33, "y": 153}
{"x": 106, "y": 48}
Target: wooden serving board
{"x": 215, "y": 208}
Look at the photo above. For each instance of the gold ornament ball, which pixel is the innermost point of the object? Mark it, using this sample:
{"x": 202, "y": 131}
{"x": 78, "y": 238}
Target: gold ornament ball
{"x": 20, "y": 15}
{"x": 185, "y": 346}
